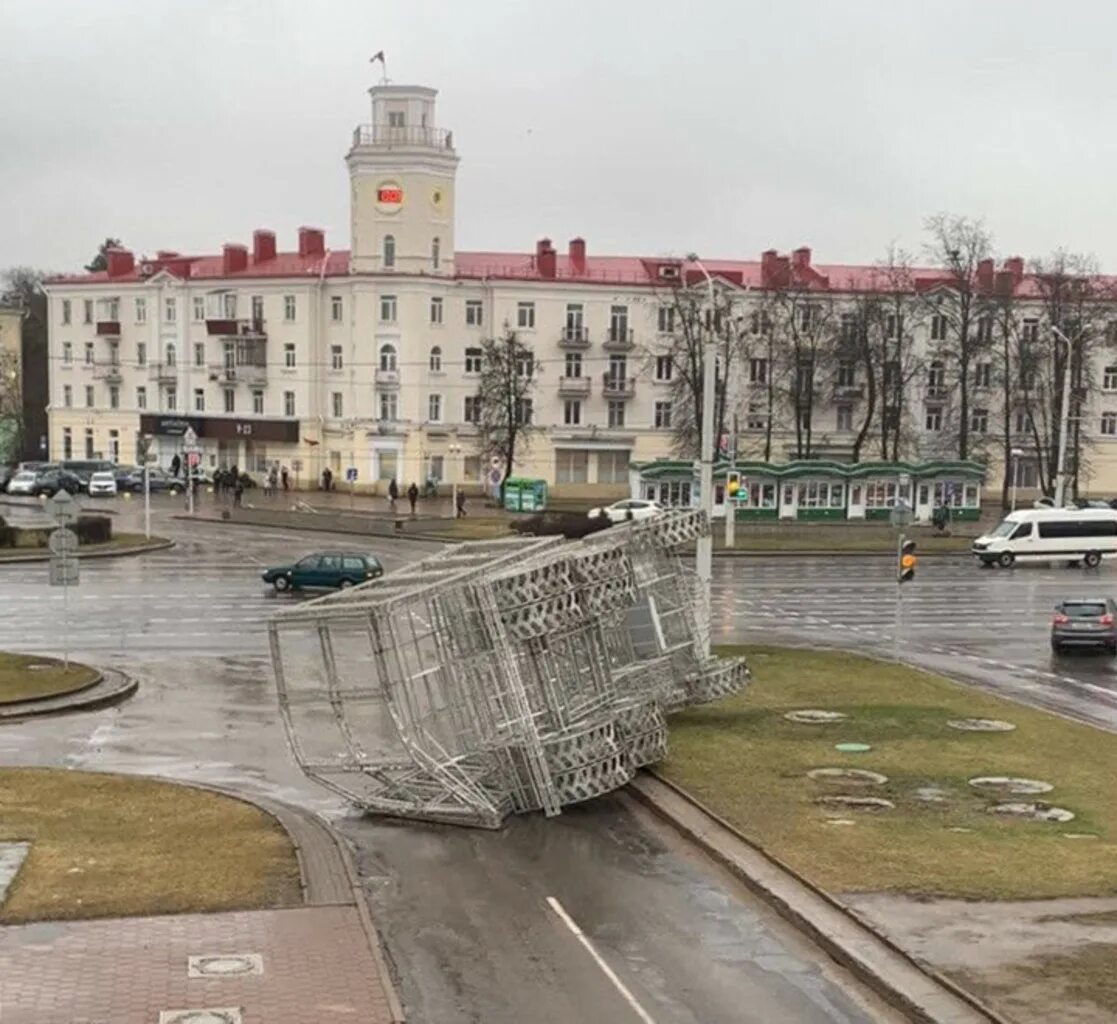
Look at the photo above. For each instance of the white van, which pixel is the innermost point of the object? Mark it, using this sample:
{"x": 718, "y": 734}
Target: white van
{"x": 1084, "y": 535}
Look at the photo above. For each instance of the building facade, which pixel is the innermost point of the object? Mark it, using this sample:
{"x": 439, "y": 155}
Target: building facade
{"x": 368, "y": 357}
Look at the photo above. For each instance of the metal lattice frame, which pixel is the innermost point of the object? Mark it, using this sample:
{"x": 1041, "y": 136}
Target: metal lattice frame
{"x": 499, "y": 677}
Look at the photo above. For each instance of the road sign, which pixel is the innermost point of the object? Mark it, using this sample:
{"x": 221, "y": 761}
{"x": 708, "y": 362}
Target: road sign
{"x": 193, "y": 458}
{"x": 189, "y": 437}
{"x": 63, "y": 508}
{"x": 63, "y": 541}
{"x": 351, "y": 474}
{"x": 900, "y": 516}
{"x": 64, "y": 572}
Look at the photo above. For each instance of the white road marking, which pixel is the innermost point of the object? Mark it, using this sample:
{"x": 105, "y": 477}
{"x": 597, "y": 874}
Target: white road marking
{"x": 608, "y": 971}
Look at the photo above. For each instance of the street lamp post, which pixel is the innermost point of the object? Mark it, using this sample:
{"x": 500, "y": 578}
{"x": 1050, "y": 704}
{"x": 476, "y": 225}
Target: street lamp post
{"x": 705, "y": 552}
{"x": 1064, "y": 417}
{"x": 1016, "y": 453}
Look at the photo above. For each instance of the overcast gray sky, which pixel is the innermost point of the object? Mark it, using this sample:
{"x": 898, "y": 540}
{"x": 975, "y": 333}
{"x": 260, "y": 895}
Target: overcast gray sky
{"x": 724, "y": 126}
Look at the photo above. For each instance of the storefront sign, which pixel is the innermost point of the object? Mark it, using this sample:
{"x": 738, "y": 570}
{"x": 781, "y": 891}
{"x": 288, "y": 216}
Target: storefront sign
{"x": 222, "y": 428}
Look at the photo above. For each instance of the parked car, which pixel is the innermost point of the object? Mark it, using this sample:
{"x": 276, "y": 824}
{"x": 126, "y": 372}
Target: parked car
{"x": 1088, "y": 622}
{"x": 6, "y": 474}
{"x": 628, "y": 509}
{"x": 160, "y": 480}
{"x": 49, "y": 482}
{"x": 324, "y": 569}
{"x": 23, "y": 482}
{"x": 83, "y": 469}
{"x": 1092, "y": 503}
{"x": 102, "y": 484}
{"x": 121, "y": 475}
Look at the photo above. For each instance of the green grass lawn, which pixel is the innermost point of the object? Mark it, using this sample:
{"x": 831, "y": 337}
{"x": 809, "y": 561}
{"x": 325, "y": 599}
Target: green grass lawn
{"x": 18, "y": 681}
{"x": 749, "y": 764}
{"x": 114, "y": 845}
{"x": 120, "y": 542}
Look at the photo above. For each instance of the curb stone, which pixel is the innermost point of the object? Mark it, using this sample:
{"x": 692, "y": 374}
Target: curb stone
{"x": 141, "y": 549}
{"x": 914, "y": 988}
{"x": 110, "y": 687}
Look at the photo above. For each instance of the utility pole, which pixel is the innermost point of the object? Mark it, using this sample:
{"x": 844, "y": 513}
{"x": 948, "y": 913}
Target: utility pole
{"x": 731, "y": 499}
{"x": 704, "y": 561}
{"x": 1064, "y": 416}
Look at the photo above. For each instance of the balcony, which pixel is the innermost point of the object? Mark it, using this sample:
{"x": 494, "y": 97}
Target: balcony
{"x": 389, "y": 136}
{"x": 574, "y": 387}
{"x": 108, "y": 328}
{"x": 936, "y": 391}
{"x": 226, "y": 327}
{"x": 164, "y": 373}
{"x": 255, "y": 375}
{"x": 849, "y": 391}
{"x": 387, "y": 378}
{"x": 619, "y": 339}
{"x": 614, "y": 386}
{"x": 110, "y": 371}
{"x": 574, "y": 338}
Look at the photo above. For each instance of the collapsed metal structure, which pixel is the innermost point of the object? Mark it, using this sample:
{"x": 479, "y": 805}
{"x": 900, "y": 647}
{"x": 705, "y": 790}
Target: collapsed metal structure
{"x": 503, "y": 676}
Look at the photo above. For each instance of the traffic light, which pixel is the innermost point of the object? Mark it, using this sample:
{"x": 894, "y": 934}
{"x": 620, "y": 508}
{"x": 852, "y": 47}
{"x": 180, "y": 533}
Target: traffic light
{"x": 908, "y": 562}
{"x": 733, "y": 484}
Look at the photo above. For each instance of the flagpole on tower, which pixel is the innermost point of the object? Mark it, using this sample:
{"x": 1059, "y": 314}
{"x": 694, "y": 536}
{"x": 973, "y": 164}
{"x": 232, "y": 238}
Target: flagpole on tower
{"x": 379, "y": 56}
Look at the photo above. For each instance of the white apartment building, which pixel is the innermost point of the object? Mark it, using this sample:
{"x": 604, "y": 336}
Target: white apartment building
{"x": 368, "y": 356}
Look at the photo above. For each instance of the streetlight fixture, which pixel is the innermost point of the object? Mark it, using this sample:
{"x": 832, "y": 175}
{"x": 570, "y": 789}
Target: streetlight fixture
{"x": 1064, "y": 416}
{"x": 704, "y": 561}
{"x": 1016, "y": 454}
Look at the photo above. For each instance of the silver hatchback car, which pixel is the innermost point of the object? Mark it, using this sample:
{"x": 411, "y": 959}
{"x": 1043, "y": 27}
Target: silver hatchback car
{"x": 1087, "y": 622}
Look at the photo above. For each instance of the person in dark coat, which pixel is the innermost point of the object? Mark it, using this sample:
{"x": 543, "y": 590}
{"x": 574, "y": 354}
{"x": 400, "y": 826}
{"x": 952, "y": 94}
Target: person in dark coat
{"x": 238, "y": 491}
{"x": 285, "y": 477}
{"x": 176, "y": 465}
{"x": 460, "y": 510}
{"x": 393, "y": 494}
{"x": 412, "y": 497}
{"x": 327, "y": 479}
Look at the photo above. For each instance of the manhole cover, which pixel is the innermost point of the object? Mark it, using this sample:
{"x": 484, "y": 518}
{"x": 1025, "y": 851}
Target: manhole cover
{"x": 857, "y": 803}
{"x": 852, "y": 748}
{"x": 980, "y": 725}
{"x": 815, "y": 716}
{"x": 1034, "y": 812}
{"x": 848, "y": 776}
{"x": 228, "y": 1015}
{"x": 1007, "y": 784}
{"x": 224, "y": 965}
{"x": 930, "y": 794}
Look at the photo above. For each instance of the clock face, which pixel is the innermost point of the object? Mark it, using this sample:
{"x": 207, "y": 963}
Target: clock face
{"x": 389, "y": 197}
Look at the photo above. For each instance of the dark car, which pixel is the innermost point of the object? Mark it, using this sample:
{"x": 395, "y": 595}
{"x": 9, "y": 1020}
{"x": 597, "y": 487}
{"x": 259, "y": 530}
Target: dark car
{"x": 83, "y": 469}
{"x": 159, "y": 480}
{"x": 324, "y": 569}
{"x": 51, "y": 481}
{"x": 1088, "y": 622}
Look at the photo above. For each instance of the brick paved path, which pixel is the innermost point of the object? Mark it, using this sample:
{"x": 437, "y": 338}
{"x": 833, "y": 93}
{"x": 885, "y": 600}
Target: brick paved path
{"x": 316, "y": 969}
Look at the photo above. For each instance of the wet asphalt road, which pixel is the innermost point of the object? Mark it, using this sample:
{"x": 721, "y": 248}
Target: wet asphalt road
{"x": 991, "y": 626}
{"x": 464, "y": 913}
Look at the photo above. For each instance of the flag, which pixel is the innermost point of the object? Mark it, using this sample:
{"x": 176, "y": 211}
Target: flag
{"x": 378, "y": 56}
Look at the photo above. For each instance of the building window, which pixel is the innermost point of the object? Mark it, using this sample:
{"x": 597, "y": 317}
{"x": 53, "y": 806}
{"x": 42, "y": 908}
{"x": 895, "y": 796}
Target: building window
{"x": 758, "y": 371}
{"x": 938, "y": 327}
{"x": 436, "y": 359}
{"x": 89, "y": 396}
{"x": 67, "y": 396}
{"x": 288, "y": 403}
{"x": 473, "y": 360}
{"x": 395, "y": 118}
{"x": 760, "y": 322}
{"x": 612, "y": 467}
{"x": 230, "y": 398}
{"x": 67, "y": 443}
{"x": 114, "y": 397}
{"x": 1030, "y": 332}
{"x": 141, "y": 353}
{"x": 67, "y": 352}
{"x": 199, "y": 307}
{"x": 199, "y": 354}
{"x": 141, "y": 397}
{"x": 1020, "y": 421}
{"x": 389, "y": 251}
{"x": 258, "y": 309}
{"x": 289, "y": 309}
{"x": 618, "y": 323}
{"x": 891, "y": 326}
{"x": 572, "y": 364}
{"x": 89, "y": 353}
{"x": 845, "y": 417}
{"x": 662, "y": 420}
{"x": 571, "y": 466}
{"x": 847, "y": 328}
{"x": 473, "y": 315}
{"x": 335, "y": 309}
{"x": 616, "y": 414}
{"x": 389, "y": 407}
{"x": 572, "y": 412}
{"x": 336, "y": 405}
{"x": 524, "y": 410}
{"x": 172, "y": 356}
{"x": 806, "y": 318}
{"x": 172, "y": 399}
{"x": 387, "y": 309}
{"x": 979, "y": 421}
{"x": 258, "y": 402}
{"x": 89, "y": 442}
{"x": 1109, "y": 379}
{"x": 574, "y": 320}
{"x": 933, "y": 418}
{"x": 985, "y": 330}
{"x": 525, "y": 315}
{"x": 199, "y": 400}
{"x": 805, "y": 420}
{"x": 289, "y": 355}
{"x": 387, "y": 357}
{"x": 755, "y": 421}
{"x": 170, "y": 310}
{"x": 1109, "y": 424}
{"x": 141, "y": 311}
{"x": 847, "y": 375}
{"x": 436, "y": 310}
{"x": 666, "y": 319}
{"x": 436, "y": 252}
{"x": 983, "y": 375}
{"x": 472, "y": 411}
{"x": 434, "y": 408}
{"x": 525, "y": 365}
{"x": 936, "y": 377}
{"x": 336, "y": 361}
{"x": 66, "y": 312}
{"x": 87, "y": 311}
{"x": 664, "y": 368}
{"x": 114, "y": 446}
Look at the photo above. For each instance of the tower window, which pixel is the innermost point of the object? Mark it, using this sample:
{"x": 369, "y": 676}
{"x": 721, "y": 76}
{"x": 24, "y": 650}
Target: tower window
{"x": 395, "y": 118}
{"x": 436, "y": 252}
{"x": 389, "y": 251}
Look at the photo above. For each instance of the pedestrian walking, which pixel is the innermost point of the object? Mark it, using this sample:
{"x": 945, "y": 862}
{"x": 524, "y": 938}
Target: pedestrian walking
{"x": 459, "y": 512}
{"x": 273, "y": 481}
{"x": 412, "y": 497}
{"x": 176, "y": 465}
{"x": 327, "y": 479}
{"x": 238, "y": 492}
{"x": 285, "y": 477}
{"x": 393, "y": 494}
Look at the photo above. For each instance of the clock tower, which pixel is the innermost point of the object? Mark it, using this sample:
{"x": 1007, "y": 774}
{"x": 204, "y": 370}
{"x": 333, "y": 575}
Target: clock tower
{"x": 401, "y": 175}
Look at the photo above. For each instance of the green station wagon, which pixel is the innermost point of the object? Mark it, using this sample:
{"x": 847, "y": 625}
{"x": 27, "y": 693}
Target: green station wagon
{"x": 324, "y": 570}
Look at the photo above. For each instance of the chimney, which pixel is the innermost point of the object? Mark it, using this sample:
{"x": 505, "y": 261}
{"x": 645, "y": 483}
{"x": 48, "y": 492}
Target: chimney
{"x": 985, "y": 274}
{"x": 546, "y": 260}
{"x": 577, "y": 256}
{"x": 1004, "y": 282}
{"x": 767, "y": 267}
{"x": 312, "y": 241}
{"x": 165, "y": 254}
{"x": 119, "y": 262}
{"x": 801, "y": 258}
{"x": 1015, "y": 266}
{"x": 263, "y": 245}
{"x": 782, "y": 269}
{"x": 234, "y": 258}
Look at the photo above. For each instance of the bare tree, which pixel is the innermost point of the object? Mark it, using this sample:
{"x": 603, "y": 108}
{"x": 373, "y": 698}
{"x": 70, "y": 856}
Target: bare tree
{"x": 101, "y": 260}
{"x": 28, "y": 391}
{"x": 504, "y": 395}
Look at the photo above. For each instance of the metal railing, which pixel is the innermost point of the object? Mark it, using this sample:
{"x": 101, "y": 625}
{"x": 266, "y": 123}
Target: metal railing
{"x": 387, "y": 378}
{"x": 407, "y": 135}
{"x": 162, "y": 371}
{"x": 615, "y": 386}
{"x": 576, "y": 387}
{"x": 255, "y": 374}
{"x": 619, "y": 339}
{"x": 108, "y": 371}
{"x": 574, "y": 337}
